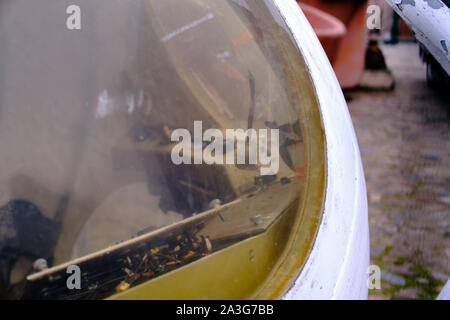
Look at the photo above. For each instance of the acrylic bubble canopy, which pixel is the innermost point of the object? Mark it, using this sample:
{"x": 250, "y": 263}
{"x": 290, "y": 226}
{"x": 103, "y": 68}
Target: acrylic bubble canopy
{"x": 87, "y": 119}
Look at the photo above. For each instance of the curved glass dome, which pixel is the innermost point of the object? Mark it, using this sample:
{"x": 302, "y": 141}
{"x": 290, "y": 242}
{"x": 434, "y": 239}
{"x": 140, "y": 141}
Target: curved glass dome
{"x": 169, "y": 149}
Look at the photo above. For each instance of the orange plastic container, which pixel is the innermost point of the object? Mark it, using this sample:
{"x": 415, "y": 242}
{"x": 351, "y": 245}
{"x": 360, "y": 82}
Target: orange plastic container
{"x": 329, "y": 29}
{"x": 341, "y": 28}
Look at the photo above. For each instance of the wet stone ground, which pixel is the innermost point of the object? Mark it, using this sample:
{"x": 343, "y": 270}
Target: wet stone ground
{"x": 404, "y": 138}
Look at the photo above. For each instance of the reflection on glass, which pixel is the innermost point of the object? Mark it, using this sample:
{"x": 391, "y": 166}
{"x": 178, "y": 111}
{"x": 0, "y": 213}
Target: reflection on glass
{"x": 86, "y": 119}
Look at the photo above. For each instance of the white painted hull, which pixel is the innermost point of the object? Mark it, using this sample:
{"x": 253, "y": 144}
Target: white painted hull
{"x": 337, "y": 265}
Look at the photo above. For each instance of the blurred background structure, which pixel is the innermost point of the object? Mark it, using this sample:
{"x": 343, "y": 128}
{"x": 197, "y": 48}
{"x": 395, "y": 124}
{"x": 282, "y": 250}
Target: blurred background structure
{"x": 404, "y": 139}
{"x": 403, "y": 129}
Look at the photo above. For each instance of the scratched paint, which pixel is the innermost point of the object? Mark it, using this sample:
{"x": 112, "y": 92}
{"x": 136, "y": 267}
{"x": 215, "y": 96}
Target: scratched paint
{"x": 429, "y": 20}
{"x": 407, "y": 2}
{"x": 444, "y": 46}
{"x": 434, "y": 4}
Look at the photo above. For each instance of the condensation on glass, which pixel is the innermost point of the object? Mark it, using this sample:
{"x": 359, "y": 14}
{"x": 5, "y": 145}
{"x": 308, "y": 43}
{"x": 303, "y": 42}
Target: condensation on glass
{"x": 86, "y": 118}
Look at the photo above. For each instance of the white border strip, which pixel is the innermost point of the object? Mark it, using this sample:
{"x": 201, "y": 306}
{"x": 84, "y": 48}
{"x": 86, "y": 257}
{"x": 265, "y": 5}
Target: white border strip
{"x": 337, "y": 264}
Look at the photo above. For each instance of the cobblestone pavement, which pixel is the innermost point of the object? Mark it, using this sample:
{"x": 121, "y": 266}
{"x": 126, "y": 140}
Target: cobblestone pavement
{"x": 405, "y": 147}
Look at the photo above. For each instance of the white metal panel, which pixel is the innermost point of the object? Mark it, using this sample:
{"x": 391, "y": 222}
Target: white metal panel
{"x": 337, "y": 265}
{"x": 430, "y": 21}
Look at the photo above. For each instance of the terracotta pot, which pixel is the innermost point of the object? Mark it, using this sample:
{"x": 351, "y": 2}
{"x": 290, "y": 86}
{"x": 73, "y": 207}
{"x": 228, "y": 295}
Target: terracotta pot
{"x": 328, "y": 29}
{"x": 345, "y": 52}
